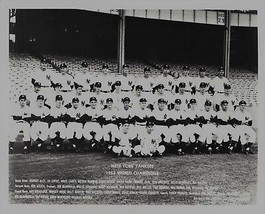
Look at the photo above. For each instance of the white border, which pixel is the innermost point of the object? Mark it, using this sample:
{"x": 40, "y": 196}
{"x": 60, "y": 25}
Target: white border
{"x": 136, "y": 4}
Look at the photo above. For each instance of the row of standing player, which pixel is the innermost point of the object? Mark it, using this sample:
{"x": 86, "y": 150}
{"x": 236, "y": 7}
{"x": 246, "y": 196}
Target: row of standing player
{"x": 178, "y": 126}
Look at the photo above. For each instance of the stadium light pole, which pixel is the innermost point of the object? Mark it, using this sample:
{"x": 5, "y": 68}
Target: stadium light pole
{"x": 121, "y": 40}
{"x": 227, "y": 42}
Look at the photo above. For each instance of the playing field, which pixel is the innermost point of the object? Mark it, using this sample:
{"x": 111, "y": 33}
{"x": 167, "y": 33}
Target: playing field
{"x": 206, "y": 179}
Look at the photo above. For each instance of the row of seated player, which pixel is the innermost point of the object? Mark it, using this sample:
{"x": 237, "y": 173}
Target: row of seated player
{"x": 183, "y": 131}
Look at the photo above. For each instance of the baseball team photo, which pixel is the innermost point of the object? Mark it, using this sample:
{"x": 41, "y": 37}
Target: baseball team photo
{"x": 135, "y": 107}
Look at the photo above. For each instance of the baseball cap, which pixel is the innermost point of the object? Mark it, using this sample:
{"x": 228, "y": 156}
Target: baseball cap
{"x": 182, "y": 85}
{"x": 126, "y": 99}
{"x": 150, "y": 123}
{"x": 37, "y": 84}
{"x": 75, "y": 100}
{"x": 221, "y": 69}
{"x": 224, "y": 102}
{"x": 161, "y": 100}
{"x": 84, "y": 64}
{"x": 242, "y": 102}
{"x": 78, "y": 86}
{"x": 186, "y": 68}
{"x": 166, "y": 67}
{"x": 58, "y": 97}
{"x": 58, "y": 85}
{"x": 208, "y": 103}
{"x": 193, "y": 101}
{"x": 40, "y": 97}
{"x": 43, "y": 60}
{"x": 203, "y": 85}
{"x": 202, "y": 69}
{"x": 125, "y": 66}
{"x": 139, "y": 87}
{"x": 160, "y": 86}
{"x": 227, "y": 86}
{"x": 98, "y": 84}
{"x": 143, "y": 100}
{"x": 178, "y": 101}
{"x": 92, "y": 99}
{"x": 118, "y": 83}
{"x": 22, "y": 97}
{"x": 147, "y": 69}
{"x": 63, "y": 65}
{"x": 109, "y": 100}
{"x": 105, "y": 66}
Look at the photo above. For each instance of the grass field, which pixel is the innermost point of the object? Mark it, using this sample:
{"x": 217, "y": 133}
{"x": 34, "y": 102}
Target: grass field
{"x": 233, "y": 177}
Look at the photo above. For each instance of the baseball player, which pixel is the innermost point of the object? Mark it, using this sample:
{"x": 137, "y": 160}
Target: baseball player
{"x": 42, "y": 75}
{"x": 178, "y": 135}
{"x": 84, "y": 77}
{"x": 227, "y": 134}
{"x": 165, "y": 79}
{"x": 125, "y": 112}
{"x": 202, "y": 79}
{"x": 50, "y": 97}
{"x": 20, "y": 124}
{"x": 99, "y": 95}
{"x": 161, "y": 93}
{"x": 127, "y": 81}
{"x": 105, "y": 79}
{"x": 149, "y": 142}
{"x": 219, "y": 82}
{"x": 78, "y": 92}
{"x": 188, "y": 80}
{"x": 202, "y": 96}
{"x": 207, "y": 120}
{"x": 92, "y": 129}
{"x": 57, "y": 131}
{"x": 32, "y": 97}
{"x": 116, "y": 95}
{"x": 64, "y": 78}
{"x": 74, "y": 117}
{"x": 124, "y": 136}
{"x": 244, "y": 127}
{"x": 146, "y": 81}
{"x": 183, "y": 95}
{"x": 228, "y": 96}
{"x": 138, "y": 94}
{"x": 39, "y": 130}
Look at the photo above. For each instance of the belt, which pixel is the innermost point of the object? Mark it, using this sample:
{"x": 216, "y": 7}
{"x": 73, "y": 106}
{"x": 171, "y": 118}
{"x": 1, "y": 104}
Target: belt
{"x": 140, "y": 124}
{"x": 45, "y": 86}
{"x": 66, "y": 90}
{"x": 125, "y": 90}
{"x": 106, "y": 91}
{"x": 147, "y": 91}
{"x": 220, "y": 92}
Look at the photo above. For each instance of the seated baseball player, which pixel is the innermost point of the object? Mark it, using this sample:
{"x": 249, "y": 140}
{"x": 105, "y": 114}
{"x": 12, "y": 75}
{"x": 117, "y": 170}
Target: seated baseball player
{"x": 183, "y": 95}
{"x": 20, "y": 124}
{"x": 149, "y": 142}
{"x": 185, "y": 78}
{"x": 202, "y": 79}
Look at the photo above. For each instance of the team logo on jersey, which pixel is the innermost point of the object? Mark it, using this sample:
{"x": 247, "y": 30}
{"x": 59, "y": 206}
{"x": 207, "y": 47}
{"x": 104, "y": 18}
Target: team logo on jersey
{"x": 43, "y": 114}
{"x": 78, "y": 115}
{"x": 165, "y": 116}
{"x": 246, "y": 118}
{"x": 181, "y": 117}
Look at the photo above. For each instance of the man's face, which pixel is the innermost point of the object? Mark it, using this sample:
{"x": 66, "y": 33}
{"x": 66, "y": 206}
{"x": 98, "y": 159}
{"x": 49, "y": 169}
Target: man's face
{"x": 109, "y": 105}
{"x": 165, "y": 72}
{"x": 207, "y": 107}
{"x": 125, "y": 71}
{"x": 224, "y": 106}
{"x": 177, "y": 106}
{"x": 22, "y": 102}
{"x": 138, "y": 91}
{"x": 161, "y": 106}
{"x": 181, "y": 90}
{"x": 97, "y": 89}
{"x": 185, "y": 73}
{"x": 59, "y": 103}
{"x": 58, "y": 88}
{"x": 105, "y": 70}
{"x": 160, "y": 90}
{"x": 221, "y": 74}
{"x": 202, "y": 90}
{"x": 43, "y": 66}
{"x": 193, "y": 105}
{"x": 126, "y": 104}
{"x": 227, "y": 91}
{"x": 40, "y": 102}
{"x": 36, "y": 89}
{"x": 125, "y": 128}
{"x": 79, "y": 90}
{"x": 242, "y": 107}
{"x": 149, "y": 129}
{"x": 142, "y": 105}
{"x": 93, "y": 104}
{"x": 202, "y": 74}
{"x": 63, "y": 71}
{"x": 75, "y": 104}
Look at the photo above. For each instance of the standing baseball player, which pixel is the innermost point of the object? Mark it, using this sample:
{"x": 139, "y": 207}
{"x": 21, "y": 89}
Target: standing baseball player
{"x": 20, "y": 125}
{"x": 165, "y": 79}
{"x": 183, "y": 95}
{"x": 202, "y": 79}
{"x": 64, "y": 78}
{"x": 244, "y": 127}
{"x": 187, "y": 79}
{"x": 202, "y": 96}
{"x": 219, "y": 82}
{"x": 39, "y": 130}
{"x": 84, "y": 77}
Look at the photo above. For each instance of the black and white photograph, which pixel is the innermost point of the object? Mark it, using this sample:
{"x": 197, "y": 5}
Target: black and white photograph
{"x": 133, "y": 106}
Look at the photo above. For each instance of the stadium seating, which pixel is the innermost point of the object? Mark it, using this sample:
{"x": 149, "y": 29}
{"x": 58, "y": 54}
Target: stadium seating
{"x": 244, "y": 82}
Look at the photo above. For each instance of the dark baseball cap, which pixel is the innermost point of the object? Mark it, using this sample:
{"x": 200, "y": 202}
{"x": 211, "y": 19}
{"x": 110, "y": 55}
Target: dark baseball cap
{"x": 224, "y": 102}
{"x": 105, "y": 66}
{"x": 161, "y": 100}
{"x": 160, "y": 86}
{"x": 166, "y": 67}
{"x": 178, "y": 101}
{"x": 58, "y": 85}
{"x": 139, "y": 87}
{"x": 193, "y": 101}
{"x": 242, "y": 102}
{"x": 227, "y": 86}
{"x": 202, "y": 69}
{"x": 118, "y": 83}
{"x": 78, "y": 86}
{"x": 37, "y": 84}
{"x": 63, "y": 65}
{"x": 208, "y": 103}
{"x": 84, "y": 64}
{"x": 92, "y": 99}
{"x": 203, "y": 85}
{"x": 186, "y": 68}
{"x": 126, "y": 99}
{"x": 149, "y": 123}
{"x": 75, "y": 100}
{"x": 98, "y": 84}
{"x": 22, "y": 97}
{"x": 221, "y": 69}
{"x": 182, "y": 85}
{"x": 40, "y": 97}
{"x": 109, "y": 100}
{"x": 147, "y": 69}
{"x": 43, "y": 60}
{"x": 58, "y": 97}
{"x": 125, "y": 66}
{"x": 142, "y": 100}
